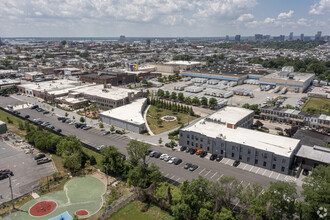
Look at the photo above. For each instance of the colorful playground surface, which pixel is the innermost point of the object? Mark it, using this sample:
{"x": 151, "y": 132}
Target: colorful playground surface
{"x": 82, "y": 196}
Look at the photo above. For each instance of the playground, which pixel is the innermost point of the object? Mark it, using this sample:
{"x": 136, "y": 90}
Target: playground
{"x": 82, "y": 196}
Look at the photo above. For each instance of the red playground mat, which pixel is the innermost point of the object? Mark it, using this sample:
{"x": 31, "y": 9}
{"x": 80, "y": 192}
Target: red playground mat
{"x": 43, "y": 208}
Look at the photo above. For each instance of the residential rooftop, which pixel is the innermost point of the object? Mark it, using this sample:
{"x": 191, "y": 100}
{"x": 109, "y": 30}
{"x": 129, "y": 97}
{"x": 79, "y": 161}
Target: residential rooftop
{"x": 316, "y": 153}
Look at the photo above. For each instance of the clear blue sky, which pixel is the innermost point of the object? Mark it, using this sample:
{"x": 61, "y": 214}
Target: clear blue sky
{"x": 162, "y": 18}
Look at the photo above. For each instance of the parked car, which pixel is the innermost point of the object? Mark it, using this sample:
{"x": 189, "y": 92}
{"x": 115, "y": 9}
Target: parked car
{"x": 34, "y": 106}
{"x": 106, "y": 132}
{"x": 39, "y": 156}
{"x": 177, "y": 161}
{"x": 198, "y": 152}
{"x": 119, "y": 132}
{"x": 43, "y": 160}
{"x": 236, "y": 163}
{"x": 68, "y": 121}
{"x": 203, "y": 154}
{"x": 82, "y": 126}
{"x": 219, "y": 158}
{"x": 213, "y": 157}
{"x": 6, "y": 172}
{"x": 157, "y": 155}
{"x": 45, "y": 112}
{"x": 278, "y": 128}
{"x": 172, "y": 160}
{"x": 167, "y": 158}
{"x": 87, "y": 127}
{"x": 187, "y": 150}
{"x": 58, "y": 130}
{"x": 77, "y": 125}
{"x": 152, "y": 153}
{"x": 192, "y": 151}
{"x": 100, "y": 147}
{"x": 305, "y": 172}
{"x": 27, "y": 116}
{"x": 187, "y": 165}
{"x": 163, "y": 156}
{"x": 60, "y": 118}
{"x": 167, "y": 145}
{"x": 193, "y": 167}
{"x": 183, "y": 148}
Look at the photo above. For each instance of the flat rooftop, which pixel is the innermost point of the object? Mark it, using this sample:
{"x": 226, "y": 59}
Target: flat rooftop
{"x": 279, "y": 145}
{"x": 230, "y": 115}
{"x": 316, "y": 153}
{"x": 50, "y": 86}
{"x": 181, "y": 62}
{"x": 130, "y": 113}
{"x": 113, "y": 93}
{"x": 302, "y": 77}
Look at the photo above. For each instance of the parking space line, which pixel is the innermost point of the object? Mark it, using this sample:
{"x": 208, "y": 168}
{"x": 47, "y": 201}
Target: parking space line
{"x": 277, "y": 176}
{"x": 227, "y": 161}
{"x": 178, "y": 179}
{"x": 214, "y": 175}
{"x": 244, "y": 166}
{"x": 271, "y": 174}
{"x": 219, "y": 177}
{"x": 167, "y": 175}
{"x": 264, "y": 172}
{"x": 207, "y": 173}
{"x": 241, "y": 182}
{"x": 247, "y": 185}
{"x": 172, "y": 177}
{"x": 251, "y": 168}
{"x": 201, "y": 171}
{"x": 258, "y": 169}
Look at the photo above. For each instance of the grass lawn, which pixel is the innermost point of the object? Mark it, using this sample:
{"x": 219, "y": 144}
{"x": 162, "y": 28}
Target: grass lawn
{"x": 317, "y": 105}
{"x": 15, "y": 123}
{"x": 165, "y": 126}
{"x": 98, "y": 157}
{"x": 132, "y": 211}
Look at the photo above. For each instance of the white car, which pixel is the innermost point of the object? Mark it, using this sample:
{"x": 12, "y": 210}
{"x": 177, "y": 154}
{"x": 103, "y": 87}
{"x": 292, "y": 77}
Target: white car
{"x": 163, "y": 156}
{"x": 167, "y": 158}
{"x": 100, "y": 147}
{"x": 172, "y": 160}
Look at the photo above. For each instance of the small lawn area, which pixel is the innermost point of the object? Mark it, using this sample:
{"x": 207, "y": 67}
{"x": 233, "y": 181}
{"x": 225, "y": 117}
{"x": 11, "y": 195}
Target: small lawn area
{"x": 317, "y": 106}
{"x": 133, "y": 211}
{"x": 15, "y": 123}
{"x": 166, "y": 125}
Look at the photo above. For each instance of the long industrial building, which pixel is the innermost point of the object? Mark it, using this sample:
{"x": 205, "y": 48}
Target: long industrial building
{"x": 227, "y": 133}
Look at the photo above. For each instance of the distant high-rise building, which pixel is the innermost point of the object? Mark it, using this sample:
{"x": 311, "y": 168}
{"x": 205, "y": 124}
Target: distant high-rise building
{"x": 227, "y": 38}
{"x": 302, "y": 36}
{"x": 258, "y": 37}
{"x": 291, "y": 36}
{"x": 238, "y": 38}
{"x": 148, "y": 42}
{"x": 122, "y": 38}
{"x": 266, "y": 37}
{"x": 326, "y": 38}
{"x": 318, "y": 36}
{"x": 282, "y": 37}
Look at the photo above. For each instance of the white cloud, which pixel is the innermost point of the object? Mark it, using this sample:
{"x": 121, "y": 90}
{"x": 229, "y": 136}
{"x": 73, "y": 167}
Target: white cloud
{"x": 245, "y": 17}
{"x": 303, "y": 22}
{"x": 320, "y": 8}
{"x": 285, "y": 15}
{"x": 269, "y": 20}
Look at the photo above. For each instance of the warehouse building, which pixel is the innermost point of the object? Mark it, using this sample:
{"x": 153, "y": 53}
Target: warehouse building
{"x": 112, "y": 78}
{"x": 293, "y": 81}
{"x": 128, "y": 117}
{"x": 226, "y": 133}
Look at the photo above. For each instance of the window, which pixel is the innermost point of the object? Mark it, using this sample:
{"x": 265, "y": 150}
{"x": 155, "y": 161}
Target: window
{"x": 201, "y": 139}
{"x": 181, "y": 135}
{"x": 265, "y": 156}
{"x": 196, "y": 138}
{"x": 274, "y": 158}
{"x": 192, "y": 136}
{"x": 249, "y": 151}
{"x": 257, "y": 153}
{"x": 232, "y": 148}
{"x": 282, "y": 169}
{"x": 240, "y": 157}
{"x": 201, "y": 145}
{"x": 196, "y": 144}
{"x": 265, "y": 163}
{"x": 187, "y": 142}
{"x": 221, "y": 152}
{"x": 240, "y": 149}
{"x": 284, "y": 160}
{"x": 256, "y": 161}
{"x": 208, "y": 141}
{"x": 221, "y": 144}
{"x": 208, "y": 148}
{"x": 248, "y": 159}
{"x": 232, "y": 155}
{"x": 274, "y": 166}
{"x": 192, "y": 143}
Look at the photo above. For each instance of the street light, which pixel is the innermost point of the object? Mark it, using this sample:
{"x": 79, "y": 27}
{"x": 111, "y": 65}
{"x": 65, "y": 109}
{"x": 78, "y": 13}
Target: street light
{"x": 11, "y": 191}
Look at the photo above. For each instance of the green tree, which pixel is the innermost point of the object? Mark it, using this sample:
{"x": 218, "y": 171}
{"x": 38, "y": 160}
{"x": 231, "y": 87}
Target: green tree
{"x": 225, "y": 214}
{"x": 213, "y": 102}
{"x": 113, "y": 160}
{"x": 112, "y": 128}
{"x": 160, "y": 141}
{"x": 82, "y": 119}
{"x": 137, "y": 152}
{"x": 160, "y": 93}
{"x": 73, "y": 161}
{"x": 253, "y": 201}
{"x": 101, "y": 125}
{"x": 66, "y": 114}
{"x": 20, "y": 125}
{"x": 173, "y": 96}
{"x": 316, "y": 192}
{"x": 281, "y": 197}
{"x": 167, "y": 94}
{"x": 204, "y": 101}
{"x": 180, "y": 96}
{"x": 246, "y": 105}
{"x": 205, "y": 214}
{"x": 187, "y": 100}
{"x": 195, "y": 100}
{"x": 143, "y": 176}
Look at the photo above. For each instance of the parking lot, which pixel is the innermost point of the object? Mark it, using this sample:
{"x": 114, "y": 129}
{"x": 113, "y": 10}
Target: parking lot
{"x": 25, "y": 169}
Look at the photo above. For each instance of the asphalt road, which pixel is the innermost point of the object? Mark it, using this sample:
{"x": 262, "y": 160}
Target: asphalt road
{"x": 25, "y": 169}
{"x": 209, "y": 169}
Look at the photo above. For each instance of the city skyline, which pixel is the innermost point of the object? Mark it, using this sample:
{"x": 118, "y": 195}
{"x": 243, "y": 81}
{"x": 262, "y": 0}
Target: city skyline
{"x": 155, "y": 18}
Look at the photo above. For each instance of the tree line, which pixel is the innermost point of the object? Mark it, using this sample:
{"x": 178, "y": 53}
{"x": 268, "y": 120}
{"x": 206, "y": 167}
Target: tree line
{"x": 160, "y": 103}
{"x": 212, "y": 102}
{"x": 312, "y": 65}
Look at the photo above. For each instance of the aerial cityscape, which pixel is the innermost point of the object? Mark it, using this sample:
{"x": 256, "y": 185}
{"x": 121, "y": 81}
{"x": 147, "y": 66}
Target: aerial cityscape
{"x": 206, "y": 110}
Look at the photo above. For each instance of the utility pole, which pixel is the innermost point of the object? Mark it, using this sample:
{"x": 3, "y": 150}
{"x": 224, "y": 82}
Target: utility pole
{"x": 11, "y": 192}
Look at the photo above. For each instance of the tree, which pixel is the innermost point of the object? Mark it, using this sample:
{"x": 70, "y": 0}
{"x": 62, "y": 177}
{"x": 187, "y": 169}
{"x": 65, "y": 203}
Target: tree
{"x": 180, "y": 96}
{"x": 204, "y": 101}
{"x": 82, "y": 119}
{"x": 281, "y": 197}
{"x": 187, "y": 100}
{"x": 159, "y": 122}
{"x": 195, "y": 100}
{"x": 246, "y": 105}
{"x": 205, "y": 214}
{"x": 112, "y": 128}
{"x": 225, "y": 214}
{"x": 101, "y": 125}
{"x": 316, "y": 188}
{"x": 52, "y": 109}
{"x": 73, "y": 161}
{"x": 160, "y": 141}
{"x": 253, "y": 201}
{"x": 27, "y": 126}
{"x": 73, "y": 117}
{"x": 160, "y": 93}
{"x": 137, "y": 152}
{"x": 173, "y": 96}
{"x": 113, "y": 160}
{"x": 143, "y": 176}
{"x": 172, "y": 143}
{"x": 167, "y": 94}
{"x": 20, "y": 125}
{"x": 66, "y": 114}
{"x": 144, "y": 81}
{"x": 213, "y": 102}
{"x": 63, "y": 42}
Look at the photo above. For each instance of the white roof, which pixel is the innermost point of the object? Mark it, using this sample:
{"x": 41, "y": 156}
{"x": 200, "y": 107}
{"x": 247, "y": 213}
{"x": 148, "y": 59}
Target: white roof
{"x": 260, "y": 140}
{"x": 181, "y": 62}
{"x": 230, "y": 114}
{"x": 130, "y": 113}
{"x": 316, "y": 153}
{"x": 113, "y": 93}
{"x": 51, "y": 86}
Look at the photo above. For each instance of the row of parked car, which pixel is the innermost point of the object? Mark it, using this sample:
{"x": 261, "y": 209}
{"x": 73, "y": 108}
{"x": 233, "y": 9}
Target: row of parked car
{"x": 4, "y": 173}
{"x": 41, "y": 159}
{"x": 46, "y": 124}
{"x": 300, "y": 103}
{"x": 77, "y": 125}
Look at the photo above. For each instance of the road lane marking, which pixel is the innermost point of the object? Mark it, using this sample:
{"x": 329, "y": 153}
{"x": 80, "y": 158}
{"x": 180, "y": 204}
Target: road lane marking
{"x": 219, "y": 177}
{"x": 207, "y": 173}
{"x": 214, "y": 175}
{"x": 201, "y": 171}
